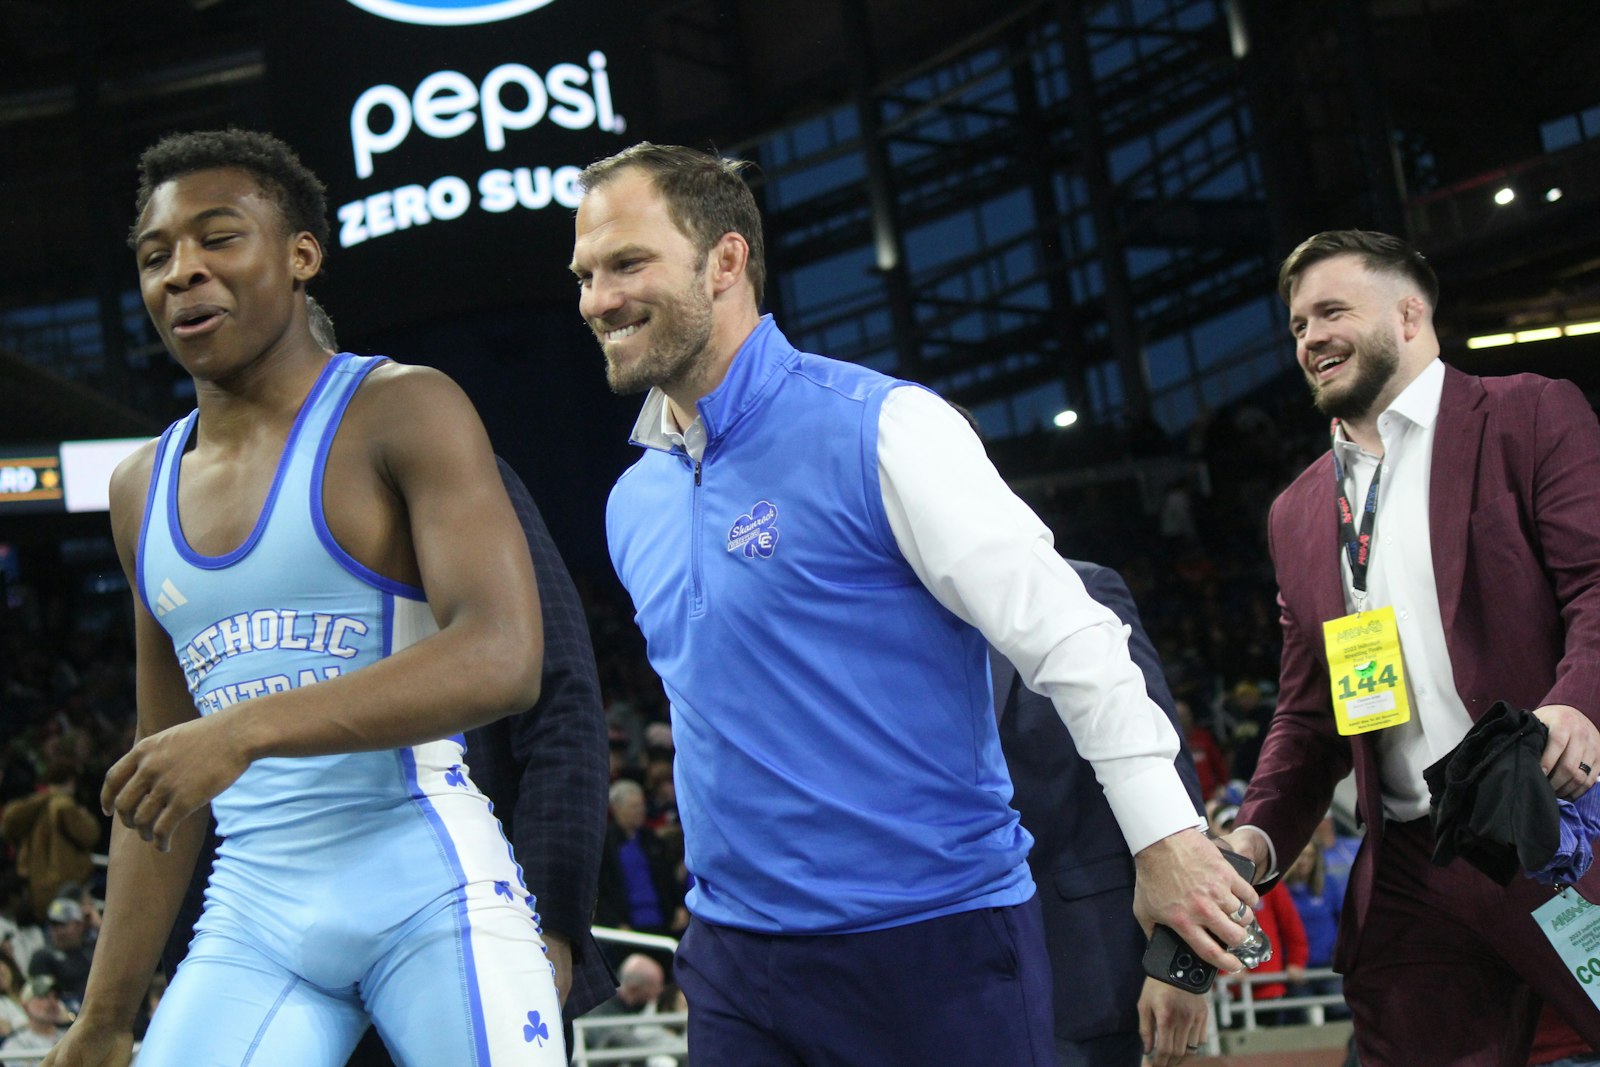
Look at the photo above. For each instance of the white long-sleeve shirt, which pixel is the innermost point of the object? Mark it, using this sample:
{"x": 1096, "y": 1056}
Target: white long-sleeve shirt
{"x": 991, "y": 561}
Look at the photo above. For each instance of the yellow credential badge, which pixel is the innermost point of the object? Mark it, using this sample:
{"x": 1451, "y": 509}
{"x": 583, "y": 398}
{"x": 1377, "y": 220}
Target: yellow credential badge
{"x": 1367, "y": 672}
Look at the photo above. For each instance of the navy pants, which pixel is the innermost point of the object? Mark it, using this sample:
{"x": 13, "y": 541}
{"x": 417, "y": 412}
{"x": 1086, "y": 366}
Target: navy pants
{"x": 964, "y": 990}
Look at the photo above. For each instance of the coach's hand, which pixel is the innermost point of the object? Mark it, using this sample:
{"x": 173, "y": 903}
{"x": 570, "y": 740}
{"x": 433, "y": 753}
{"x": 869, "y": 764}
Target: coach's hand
{"x": 86, "y": 1046}
{"x": 171, "y": 774}
{"x": 1572, "y": 751}
{"x": 1183, "y": 882}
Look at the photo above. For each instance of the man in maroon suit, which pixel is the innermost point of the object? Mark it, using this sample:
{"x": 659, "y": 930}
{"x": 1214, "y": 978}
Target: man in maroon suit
{"x": 1470, "y": 509}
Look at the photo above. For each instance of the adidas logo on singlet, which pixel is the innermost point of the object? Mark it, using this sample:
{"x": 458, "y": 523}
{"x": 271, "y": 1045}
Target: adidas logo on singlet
{"x": 170, "y": 599}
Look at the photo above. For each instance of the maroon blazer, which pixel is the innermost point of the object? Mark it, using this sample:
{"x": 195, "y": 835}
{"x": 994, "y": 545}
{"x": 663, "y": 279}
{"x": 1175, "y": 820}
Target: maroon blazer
{"x": 1514, "y": 514}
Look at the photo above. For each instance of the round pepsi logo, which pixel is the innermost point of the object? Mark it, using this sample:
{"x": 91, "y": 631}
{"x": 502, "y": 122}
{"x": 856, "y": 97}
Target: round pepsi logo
{"x": 449, "y": 12}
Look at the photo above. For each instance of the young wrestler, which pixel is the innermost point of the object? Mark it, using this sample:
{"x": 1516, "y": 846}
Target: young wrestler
{"x": 330, "y": 586}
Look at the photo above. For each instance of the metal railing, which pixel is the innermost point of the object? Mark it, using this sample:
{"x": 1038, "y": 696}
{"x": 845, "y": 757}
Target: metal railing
{"x": 1225, "y": 1010}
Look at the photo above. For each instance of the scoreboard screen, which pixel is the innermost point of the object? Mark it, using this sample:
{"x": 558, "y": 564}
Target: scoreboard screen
{"x": 64, "y": 476}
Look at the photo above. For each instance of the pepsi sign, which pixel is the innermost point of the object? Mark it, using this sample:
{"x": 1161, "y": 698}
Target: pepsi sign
{"x": 448, "y": 12}
{"x": 450, "y": 136}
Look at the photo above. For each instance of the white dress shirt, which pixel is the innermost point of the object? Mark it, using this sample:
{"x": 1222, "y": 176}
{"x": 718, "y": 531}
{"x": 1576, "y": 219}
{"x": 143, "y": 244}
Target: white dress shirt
{"x": 990, "y": 560}
{"x": 1400, "y": 575}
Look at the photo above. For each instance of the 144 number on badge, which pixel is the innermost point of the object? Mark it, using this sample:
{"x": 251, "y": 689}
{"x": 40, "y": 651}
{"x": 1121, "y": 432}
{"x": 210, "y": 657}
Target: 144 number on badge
{"x": 1367, "y": 671}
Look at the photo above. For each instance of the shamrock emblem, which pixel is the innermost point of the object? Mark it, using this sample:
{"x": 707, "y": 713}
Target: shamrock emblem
{"x": 535, "y": 1030}
{"x": 1364, "y": 670}
{"x": 755, "y": 533}
{"x": 503, "y": 889}
{"x": 454, "y": 776}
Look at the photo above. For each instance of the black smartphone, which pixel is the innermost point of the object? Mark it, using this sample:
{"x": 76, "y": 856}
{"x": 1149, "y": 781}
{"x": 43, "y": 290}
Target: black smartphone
{"x": 1168, "y": 958}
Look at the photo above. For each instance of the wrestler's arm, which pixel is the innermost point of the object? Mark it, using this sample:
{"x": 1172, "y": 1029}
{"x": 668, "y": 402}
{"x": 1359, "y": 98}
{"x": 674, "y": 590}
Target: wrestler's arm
{"x": 144, "y": 887}
{"x": 484, "y": 662}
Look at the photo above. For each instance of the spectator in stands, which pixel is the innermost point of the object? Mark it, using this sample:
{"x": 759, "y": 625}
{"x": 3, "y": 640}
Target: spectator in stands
{"x": 1338, "y": 855}
{"x": 53, "y": 834}
{"x": 640, "y": 988}
{"x": 68, "y": 955}
{"x": 46, "y": 1015}
{"x": 13, "y": 1016}
{"x": 1476, "y": 571}
{"x": 1248, "y": 712}
{"x": 89, "y": 904}
{"x": 1210, "y": 765}
{"x": 1318, "y": 903}
{"x": 1317, "y": 907}
{"x": 809, "y": 618}
{"x": 1085, "y": 873}
{"x": 17, "y": 932}
{"x": 639, "y": 889}
{"x": 661, "y": 794}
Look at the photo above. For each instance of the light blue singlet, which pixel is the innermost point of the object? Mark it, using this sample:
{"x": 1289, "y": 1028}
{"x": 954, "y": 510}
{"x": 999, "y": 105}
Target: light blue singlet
{"x": 371, "y": 883}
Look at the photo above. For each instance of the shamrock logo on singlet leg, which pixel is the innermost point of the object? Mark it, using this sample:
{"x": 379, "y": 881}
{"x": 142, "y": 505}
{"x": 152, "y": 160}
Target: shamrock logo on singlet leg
{"x": 503, "y": 889}
{"x": 535, "y": 1030}
{"x": 454, "y": 776}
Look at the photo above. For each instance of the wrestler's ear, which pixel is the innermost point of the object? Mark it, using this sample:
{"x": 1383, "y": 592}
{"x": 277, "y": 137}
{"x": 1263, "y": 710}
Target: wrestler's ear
{"x": 305, "y": 256}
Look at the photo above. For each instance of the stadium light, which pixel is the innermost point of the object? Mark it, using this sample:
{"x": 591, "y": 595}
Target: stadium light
{"x": 1541, "y": 333}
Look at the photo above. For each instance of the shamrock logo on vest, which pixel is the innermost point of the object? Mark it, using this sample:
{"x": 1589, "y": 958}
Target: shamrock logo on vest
{"x": 755, "y": 533}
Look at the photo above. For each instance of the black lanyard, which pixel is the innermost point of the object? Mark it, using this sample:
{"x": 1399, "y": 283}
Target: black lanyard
{"x": 1357, "y": 544}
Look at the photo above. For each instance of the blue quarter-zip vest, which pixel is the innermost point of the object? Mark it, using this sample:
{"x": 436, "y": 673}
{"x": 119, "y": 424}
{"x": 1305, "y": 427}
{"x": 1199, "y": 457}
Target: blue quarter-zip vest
{"x": 838, "y": 764}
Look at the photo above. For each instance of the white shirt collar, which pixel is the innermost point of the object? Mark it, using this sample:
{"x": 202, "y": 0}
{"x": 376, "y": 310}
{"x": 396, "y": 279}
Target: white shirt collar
{"x": 1418, "y": 403}
{"x": 656, "y": 428}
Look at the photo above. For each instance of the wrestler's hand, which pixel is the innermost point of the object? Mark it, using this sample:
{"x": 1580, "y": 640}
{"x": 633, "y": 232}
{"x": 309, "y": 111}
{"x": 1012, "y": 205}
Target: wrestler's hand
{"x": 88, "y": 1046}
{"x": 1183, "y": 882}
{"x": 559, "y": 951}
{"x": 171, "y": 774}
{"x": 1172, "y": 1023}
{"x": 1572, "y": 752}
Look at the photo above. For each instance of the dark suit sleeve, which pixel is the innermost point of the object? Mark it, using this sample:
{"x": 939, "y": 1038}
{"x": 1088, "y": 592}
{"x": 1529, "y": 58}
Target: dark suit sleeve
{"x": 1566, "y": 501}
{"x": 559, "y": 748}
{"x": 1303, "y": 757}
{"x": 1107, "y": 587}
